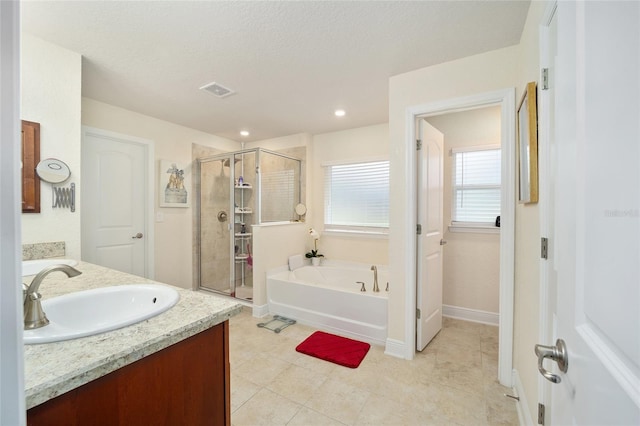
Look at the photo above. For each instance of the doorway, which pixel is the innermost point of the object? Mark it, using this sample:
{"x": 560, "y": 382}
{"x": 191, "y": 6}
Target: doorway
{"x": 505, "y": 100}
{"x": 462, "y": 268}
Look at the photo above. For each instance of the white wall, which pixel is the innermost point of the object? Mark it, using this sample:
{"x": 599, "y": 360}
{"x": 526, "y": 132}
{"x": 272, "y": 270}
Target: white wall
{"x": 488, "y": 72}
{"x": 371, "y": 142}
{"x": 471, "y": 274}
{"x": 50, "y": 95}
{"x": 173, "y": 236}
{"x": 527, "y": 270}
{"x": 360, "y": 144}
{"x": 281, "y": 143}
{"x": 272, "y": 246}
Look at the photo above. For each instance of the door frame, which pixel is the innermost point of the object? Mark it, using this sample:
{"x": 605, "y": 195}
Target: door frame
{"x": 12, "y": 402}
{"x": 546, "y": 213}
{"x": 149, "y": 189}
{"x": 506, "y": 100}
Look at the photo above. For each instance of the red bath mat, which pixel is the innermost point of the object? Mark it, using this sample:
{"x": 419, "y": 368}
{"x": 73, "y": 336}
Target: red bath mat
{"x": 336, "y": 349}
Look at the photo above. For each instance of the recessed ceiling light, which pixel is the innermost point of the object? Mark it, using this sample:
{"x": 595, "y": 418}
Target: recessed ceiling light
{"x": 244, "y": 133}
{"x": 340, "y": 113}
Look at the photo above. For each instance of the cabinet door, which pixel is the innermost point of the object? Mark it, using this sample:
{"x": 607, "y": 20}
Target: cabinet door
{"x": 30, "y": 159}
{"x": 187, "y": 383}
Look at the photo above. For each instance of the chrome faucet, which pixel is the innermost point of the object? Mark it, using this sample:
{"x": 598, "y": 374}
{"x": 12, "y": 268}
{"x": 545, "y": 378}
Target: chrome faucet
{"x": 375, "y": 278}
{"x": 34, "y": 316}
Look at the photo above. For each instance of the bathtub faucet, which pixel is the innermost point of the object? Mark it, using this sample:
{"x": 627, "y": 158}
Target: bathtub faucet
{"x": 375, "y": 278}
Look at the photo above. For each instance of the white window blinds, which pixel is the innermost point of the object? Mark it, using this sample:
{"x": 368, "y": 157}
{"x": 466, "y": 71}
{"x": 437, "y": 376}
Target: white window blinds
{"x": 279, "y": 186}
{"x": 357, "y": 196}
{"x": 476, "y": 186}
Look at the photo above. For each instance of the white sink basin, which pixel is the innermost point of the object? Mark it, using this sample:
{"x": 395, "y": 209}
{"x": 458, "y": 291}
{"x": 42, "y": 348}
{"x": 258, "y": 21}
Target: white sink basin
{"x": 96, "y": 311}
{"x": 32, "y": 267}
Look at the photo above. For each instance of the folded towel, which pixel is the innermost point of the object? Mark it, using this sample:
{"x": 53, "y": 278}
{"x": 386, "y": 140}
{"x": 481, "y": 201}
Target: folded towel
{"x": 296, "y": 262}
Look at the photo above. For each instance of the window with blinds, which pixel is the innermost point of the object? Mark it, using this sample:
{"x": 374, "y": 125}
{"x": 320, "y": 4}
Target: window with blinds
{"x": 476, "y": 187}
{"x": 279, "y": 204}
{"x": 357, "y": 197}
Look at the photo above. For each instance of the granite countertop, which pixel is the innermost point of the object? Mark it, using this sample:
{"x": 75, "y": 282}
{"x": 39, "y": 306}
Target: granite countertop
{"x": 52, "y": 369}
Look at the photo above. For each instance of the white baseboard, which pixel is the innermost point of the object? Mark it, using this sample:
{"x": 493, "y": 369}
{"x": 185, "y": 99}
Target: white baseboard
{"x": 524, "y": 415}
{"x": 395, "y": 348}
{"x": 260, "y": 311}
{"x": 473, "y": 315}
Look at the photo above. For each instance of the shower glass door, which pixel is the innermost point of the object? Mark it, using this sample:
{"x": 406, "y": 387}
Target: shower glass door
{"x": 216, "y": 215}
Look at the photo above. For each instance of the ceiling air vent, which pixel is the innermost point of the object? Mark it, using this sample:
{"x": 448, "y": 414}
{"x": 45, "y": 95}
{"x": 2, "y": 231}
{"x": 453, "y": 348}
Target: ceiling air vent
{"x": 217, "y": 89}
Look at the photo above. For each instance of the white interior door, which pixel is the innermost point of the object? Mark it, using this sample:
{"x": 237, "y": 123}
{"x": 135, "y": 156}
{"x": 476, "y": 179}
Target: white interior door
{"x": 597, "y": 221}
{"x": 114, "y": 201}
{"x": 429, "y": 245}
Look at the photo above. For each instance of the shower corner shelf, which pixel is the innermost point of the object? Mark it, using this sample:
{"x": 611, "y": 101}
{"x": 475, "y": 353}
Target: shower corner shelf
{"x": 243, "y": 211}
{"x": 241, "y": 235}
{"x": 247, "y": 186}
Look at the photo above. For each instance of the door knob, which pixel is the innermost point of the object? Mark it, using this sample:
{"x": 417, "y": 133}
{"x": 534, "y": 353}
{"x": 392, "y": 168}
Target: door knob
{"x": 443, "y": 241}
{"x": 557, "y": 353}
{"x": 137, "y": 236}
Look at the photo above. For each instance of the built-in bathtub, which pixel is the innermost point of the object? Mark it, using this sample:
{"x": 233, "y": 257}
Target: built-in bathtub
{"x": 329, "y": 298}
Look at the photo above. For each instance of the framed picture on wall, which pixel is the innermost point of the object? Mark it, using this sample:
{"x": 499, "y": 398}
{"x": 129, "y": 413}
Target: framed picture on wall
{"x": 174, "y": 181}
{"x": 528, "y": 146}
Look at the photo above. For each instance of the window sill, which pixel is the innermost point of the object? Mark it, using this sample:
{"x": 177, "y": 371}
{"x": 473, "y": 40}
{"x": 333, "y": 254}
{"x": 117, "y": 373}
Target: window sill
{"x": 474, "y": 229}
{"x": 355, "y": 234}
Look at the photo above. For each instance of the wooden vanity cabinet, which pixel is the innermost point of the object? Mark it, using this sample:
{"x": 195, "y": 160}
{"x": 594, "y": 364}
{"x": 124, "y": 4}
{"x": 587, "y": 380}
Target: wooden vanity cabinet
{"x": 184, "y": 384}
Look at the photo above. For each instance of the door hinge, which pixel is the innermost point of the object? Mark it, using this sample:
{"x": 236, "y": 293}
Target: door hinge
{"x": 545, "y": 78}
{"x": 418, "y": 144}
{"x": 419, "y": 229}
{"x": 544, "y": 248}
{"x": 418, "y": 313}
{"x": 540, "y": 414}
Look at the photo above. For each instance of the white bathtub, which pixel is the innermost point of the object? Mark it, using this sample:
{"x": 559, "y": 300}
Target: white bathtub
{"x": 328, "y": 298}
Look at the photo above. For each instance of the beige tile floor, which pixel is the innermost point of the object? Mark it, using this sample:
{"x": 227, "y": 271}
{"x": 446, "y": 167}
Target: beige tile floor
{"x": 452, "y": 382}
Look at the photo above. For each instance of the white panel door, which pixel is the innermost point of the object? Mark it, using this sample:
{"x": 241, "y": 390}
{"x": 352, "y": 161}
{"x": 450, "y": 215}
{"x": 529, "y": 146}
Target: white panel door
{"x": 597, "y": 222}
{"x": 114, "y": 202}
{"x": 429, "y": 250}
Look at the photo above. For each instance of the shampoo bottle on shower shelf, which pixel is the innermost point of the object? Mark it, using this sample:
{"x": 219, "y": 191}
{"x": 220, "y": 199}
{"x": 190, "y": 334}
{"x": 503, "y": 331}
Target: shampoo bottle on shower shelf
{"x": 240, "y": 181}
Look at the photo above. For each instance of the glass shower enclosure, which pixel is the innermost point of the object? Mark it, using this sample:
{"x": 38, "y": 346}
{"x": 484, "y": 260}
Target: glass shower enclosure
{"x": 239, "y": 190}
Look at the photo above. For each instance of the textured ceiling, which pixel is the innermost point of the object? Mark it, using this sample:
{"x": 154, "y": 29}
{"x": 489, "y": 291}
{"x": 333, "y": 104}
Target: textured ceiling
{"x": 291, "y": 63}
